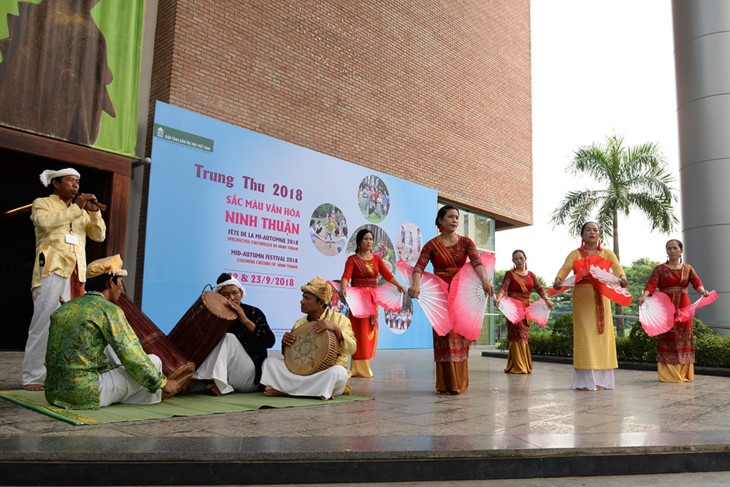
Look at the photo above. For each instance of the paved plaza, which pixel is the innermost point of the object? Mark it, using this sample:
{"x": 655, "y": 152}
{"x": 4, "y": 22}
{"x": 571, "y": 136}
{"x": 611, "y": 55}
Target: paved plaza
{"x": 504, "y": 426}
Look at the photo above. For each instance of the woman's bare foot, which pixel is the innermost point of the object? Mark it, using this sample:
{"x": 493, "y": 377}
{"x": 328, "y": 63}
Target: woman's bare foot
{"x": 214, "y": 389}
{"x": 581, "y": 388}
{"x": 271, "y": 392}
{"x": 600, "y": 388}
{"x": 33, "y": 387}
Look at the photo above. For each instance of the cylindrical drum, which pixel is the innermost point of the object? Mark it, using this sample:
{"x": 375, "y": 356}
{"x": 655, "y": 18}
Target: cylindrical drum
{"x": 202, "y": 326}
{"x": 312, "y": 352}
{"x": 175, "y": 364}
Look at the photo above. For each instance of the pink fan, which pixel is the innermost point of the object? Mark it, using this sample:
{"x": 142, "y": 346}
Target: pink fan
{"x": 567, "y": 284}
{"x": 434, "y": 299}
{"x": 656, "y": 315}
{"x": 406, "y": 271}
{"x": 512, "y": 309}
{"x": 334, "y": 284}
{"x": 488, "y": 261}
{"x": 539, "y": 312}
{"x": 467, "y": 299}
{"x": 688, "y": 312}
{"x": 360, "y": 300}
{"x": 610, "y": 287}
{"x": 389, "y": 297}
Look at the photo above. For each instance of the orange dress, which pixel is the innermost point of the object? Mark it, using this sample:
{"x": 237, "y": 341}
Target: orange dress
{"x": 365, "y": 273}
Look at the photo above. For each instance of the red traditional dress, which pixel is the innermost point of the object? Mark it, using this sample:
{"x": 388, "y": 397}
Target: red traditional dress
{"x": 451, "y": 352}
{"x": 519, "y": 360}
{"x": 675, "y": 348}
{"x": 364, "y": 273}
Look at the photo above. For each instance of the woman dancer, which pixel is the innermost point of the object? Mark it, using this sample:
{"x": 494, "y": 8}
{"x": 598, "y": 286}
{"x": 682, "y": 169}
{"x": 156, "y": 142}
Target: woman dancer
{"x": 594, "y": 343}
{"x": 362, "y": 270}
{"x": 517, "y": 284}
{"x": 448, "y": 252}
{"x": 675, "y": 348}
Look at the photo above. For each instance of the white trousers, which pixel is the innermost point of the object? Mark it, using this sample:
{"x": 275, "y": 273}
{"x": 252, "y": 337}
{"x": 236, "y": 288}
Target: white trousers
{"x": 45, "y": 302}
{"x": 325, "y": 384}
{"x": 229, "y": 366}
{"x": 118, "y": 386}
{"x": 591, "y": 379}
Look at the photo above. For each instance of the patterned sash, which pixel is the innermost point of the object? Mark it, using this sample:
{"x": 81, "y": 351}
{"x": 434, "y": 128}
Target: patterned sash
{"x": 597, "y": 297}
{"x": 676, "y": 291}
{"x": 452, "y": 268}
{"x": 524, "y": 295}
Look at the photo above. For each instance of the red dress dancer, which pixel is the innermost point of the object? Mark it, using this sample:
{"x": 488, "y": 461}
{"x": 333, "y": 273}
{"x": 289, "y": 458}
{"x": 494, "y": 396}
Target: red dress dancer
{"x": 363, "y": 269}
{"x": 451, "y": 352}
{"x": 675, "y": 348}
{"x": 519, "y": 360}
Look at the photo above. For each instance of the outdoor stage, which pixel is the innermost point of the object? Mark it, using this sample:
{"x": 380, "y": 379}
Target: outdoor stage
{"x": 504, "y": 426}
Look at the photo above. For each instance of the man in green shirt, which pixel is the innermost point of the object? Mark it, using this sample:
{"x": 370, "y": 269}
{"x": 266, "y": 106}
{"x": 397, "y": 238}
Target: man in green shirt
{"x": 94, "y": 358}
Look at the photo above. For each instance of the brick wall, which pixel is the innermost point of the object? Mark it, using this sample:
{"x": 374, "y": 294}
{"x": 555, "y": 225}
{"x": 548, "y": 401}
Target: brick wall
{"x": 430, "y": 91}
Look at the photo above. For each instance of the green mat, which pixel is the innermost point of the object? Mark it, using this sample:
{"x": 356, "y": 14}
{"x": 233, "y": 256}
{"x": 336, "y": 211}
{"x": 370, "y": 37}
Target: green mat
{"x": 187, "y": 405}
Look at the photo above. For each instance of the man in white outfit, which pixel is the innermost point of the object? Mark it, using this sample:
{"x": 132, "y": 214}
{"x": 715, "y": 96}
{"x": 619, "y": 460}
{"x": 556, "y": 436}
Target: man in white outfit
{"x": 62, "y": 222}
{"x": 235, "y": 363}
{"x": 316, "y": 294}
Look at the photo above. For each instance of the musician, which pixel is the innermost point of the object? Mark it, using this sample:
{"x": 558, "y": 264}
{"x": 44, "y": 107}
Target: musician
{"x": 62, "y": 222}
{"x": 89, "y": 338}
{"x": 235, "y": 363}
{"x": 326, "y": 383}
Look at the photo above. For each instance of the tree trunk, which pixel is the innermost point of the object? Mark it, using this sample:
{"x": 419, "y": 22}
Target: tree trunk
{"x": 619, "y": 309}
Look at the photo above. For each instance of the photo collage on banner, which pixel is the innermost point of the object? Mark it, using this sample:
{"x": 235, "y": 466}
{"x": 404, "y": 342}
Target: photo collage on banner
{"x": 273, "y": 214}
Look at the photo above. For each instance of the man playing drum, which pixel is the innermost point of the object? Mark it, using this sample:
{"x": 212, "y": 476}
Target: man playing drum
{"x": 316, "y": 294}
{"x": 62, "y": 222}
{"x": 235, "y": 363}
{"x": 89, "y": 338}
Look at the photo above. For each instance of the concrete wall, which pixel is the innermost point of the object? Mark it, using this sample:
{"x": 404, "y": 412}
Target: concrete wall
{"x": 702, "y": 49}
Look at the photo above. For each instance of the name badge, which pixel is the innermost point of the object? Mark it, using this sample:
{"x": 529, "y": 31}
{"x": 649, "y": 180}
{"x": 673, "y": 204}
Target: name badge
{"x": 72, "y": 239}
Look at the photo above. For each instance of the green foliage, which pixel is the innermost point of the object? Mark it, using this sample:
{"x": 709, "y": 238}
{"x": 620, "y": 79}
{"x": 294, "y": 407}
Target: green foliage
{"x": 701, "y": 330}
{"x": 712, "y": 351}
{"x": 638, "y": 274}
{"x": 557, "y": 340}
{"x": 637, "y": 347}
{"x": 562, "y": 326}
{"x": 543, "y": 343}
{"x": 628, "y": 178}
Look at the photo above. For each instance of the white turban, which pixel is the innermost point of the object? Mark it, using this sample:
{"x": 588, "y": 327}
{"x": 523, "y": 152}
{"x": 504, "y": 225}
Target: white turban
{"x": 231, "y": 282}
{"x": 49, "y": 174}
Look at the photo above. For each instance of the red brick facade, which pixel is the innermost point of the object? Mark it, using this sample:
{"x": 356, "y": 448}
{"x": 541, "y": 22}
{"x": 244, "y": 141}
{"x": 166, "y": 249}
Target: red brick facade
{"x": 430, "y": 91}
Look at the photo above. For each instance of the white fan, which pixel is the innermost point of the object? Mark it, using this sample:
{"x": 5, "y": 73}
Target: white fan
{"x": 389, "y": 297}
{"x": 433, "y": 298}
{"x": 512, "y": 309}
{"x": 656, "y": 315}
{"x": 539, "y": 312}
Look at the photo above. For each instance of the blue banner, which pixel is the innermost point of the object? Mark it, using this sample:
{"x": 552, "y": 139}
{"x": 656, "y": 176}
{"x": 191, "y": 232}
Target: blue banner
{"x": 273, "y": 214}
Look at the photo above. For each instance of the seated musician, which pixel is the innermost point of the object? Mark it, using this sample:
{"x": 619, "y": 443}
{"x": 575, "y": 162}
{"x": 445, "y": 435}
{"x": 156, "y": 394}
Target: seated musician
{"x": 325, "y": 384}
{"x": 89, "y": 338}
{"x": 235, "y": 363}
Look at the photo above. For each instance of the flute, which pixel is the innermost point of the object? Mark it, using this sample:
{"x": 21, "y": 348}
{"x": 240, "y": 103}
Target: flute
{"x": 99, "y": 205}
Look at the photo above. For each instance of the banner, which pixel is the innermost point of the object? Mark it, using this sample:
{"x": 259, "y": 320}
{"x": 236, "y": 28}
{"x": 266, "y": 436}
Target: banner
{"x": 70, "y": 70}
{"x": 276, "y": 215}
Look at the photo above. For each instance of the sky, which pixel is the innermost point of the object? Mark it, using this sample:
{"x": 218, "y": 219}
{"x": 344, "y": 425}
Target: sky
{"x": 599, "y": 67}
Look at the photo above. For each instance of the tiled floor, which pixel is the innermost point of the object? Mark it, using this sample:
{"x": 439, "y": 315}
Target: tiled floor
{"x": 500, "y": 415}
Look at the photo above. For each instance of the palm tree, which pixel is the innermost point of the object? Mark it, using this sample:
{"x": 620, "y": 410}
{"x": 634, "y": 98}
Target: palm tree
{"x": 629, "y": 178}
